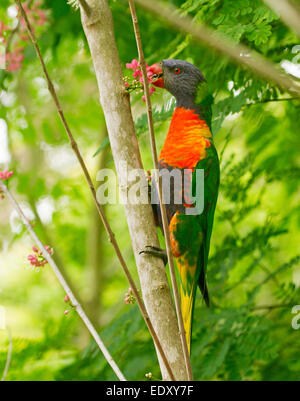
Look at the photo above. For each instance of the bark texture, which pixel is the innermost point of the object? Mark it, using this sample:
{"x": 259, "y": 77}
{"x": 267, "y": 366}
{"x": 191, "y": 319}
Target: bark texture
{"x": 98, "y": 27}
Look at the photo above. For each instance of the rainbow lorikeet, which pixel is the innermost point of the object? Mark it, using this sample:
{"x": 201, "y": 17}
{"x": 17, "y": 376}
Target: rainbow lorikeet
{"x": 188, "y": 147}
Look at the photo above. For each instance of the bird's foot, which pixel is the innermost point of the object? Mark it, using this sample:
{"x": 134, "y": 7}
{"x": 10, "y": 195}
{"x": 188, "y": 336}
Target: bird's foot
{"x": 155, "y": 251}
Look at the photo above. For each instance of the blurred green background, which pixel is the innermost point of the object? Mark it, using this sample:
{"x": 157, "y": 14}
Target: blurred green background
{"x": 253, "y": 272}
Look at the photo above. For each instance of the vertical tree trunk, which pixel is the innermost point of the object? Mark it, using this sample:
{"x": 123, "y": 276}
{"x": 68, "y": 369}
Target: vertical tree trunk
{"x": 98, "y": 27}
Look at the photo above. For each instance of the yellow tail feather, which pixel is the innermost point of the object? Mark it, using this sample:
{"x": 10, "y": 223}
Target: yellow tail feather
{"x": 187, "y": 302}
{"x": 188, "y": 282}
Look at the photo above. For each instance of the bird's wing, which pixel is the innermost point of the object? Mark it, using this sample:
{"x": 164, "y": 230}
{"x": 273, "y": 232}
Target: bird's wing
{"x": 211, "y": 167}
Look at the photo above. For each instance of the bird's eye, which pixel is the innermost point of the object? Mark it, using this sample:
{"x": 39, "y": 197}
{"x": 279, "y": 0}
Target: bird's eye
{"x": 177, "y": 70}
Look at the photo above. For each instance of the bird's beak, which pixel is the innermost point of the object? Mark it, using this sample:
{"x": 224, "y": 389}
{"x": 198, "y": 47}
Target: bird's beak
{"x": 157, "y": 77}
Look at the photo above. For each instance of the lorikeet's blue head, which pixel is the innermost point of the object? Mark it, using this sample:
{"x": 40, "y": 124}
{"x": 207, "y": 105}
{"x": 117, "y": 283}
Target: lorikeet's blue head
{"x": 179, "y": 77}
{"x": 186, "y": 83}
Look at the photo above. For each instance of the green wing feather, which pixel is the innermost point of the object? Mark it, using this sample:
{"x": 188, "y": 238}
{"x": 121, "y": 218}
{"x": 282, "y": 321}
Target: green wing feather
{"x": 192, "y": 234}
{"x": 211, "y": 168}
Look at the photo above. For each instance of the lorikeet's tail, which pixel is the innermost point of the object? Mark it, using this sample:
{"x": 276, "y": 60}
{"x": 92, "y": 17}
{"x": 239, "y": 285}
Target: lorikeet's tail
{"x": 188, "y": 286}
{"x": 187, "y": 306}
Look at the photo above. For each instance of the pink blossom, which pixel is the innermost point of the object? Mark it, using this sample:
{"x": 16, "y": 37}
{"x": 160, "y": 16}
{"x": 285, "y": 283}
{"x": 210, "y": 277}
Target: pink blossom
{"x": 37, "y": 259}
{"x": 36, "y": 17}
{"x": 66, "y": 298}
{"x": 66, "y": 312}
{"x": 133, "y": 65}
{"x": 14, "y": 60}
{"x": 13, "y": 67}
{"x": 137, "y": 73}
{"x": 42, "y": 17}
{"x": 5, "y": 175}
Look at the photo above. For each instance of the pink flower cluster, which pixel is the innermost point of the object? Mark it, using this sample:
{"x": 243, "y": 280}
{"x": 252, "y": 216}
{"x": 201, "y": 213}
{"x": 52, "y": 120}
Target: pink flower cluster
{"x": 34, "y": 14}
{"x": 37, "y": 259}
{"x": 5, "y": 175}
{"x": 14, "y": 56}
{"x": 137, "y": 74}
{"x": 129, "y": 297}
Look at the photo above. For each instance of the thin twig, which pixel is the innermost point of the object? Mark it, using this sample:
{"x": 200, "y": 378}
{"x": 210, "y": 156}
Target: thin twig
{"x": 63, "y": 283}
{"x": 287, "y": 12}
{"x": 11, "y": 36}
{"x": 105, "y": 222}
{"x": 158, "y": 181}
{"x": 9, "y": 354}
{"x": 241, "y": 54}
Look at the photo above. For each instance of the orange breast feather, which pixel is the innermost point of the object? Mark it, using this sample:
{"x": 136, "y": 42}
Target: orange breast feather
{"x": 186, "y": 140}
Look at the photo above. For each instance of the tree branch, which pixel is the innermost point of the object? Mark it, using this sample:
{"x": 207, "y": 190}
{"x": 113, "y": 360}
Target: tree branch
{"x": 159, "y": 185}
{"x": 84, "y": 6}
{"x": 241, "y": 54}
{"x": 287, "y": 12}
{"x": 116, "y": 107}
{"x": 11, "y": 36}
{"x": 107, "y": 226}
{"x": 63, "y": 283}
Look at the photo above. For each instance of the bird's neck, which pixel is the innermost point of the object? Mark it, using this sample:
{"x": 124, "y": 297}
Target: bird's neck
{"x": 200, "y": 102}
